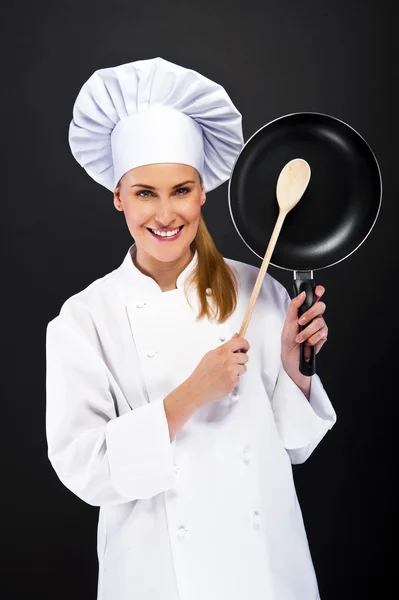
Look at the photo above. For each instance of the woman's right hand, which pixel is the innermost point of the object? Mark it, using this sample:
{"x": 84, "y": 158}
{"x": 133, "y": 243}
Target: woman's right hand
{"x": 218, "y": 372}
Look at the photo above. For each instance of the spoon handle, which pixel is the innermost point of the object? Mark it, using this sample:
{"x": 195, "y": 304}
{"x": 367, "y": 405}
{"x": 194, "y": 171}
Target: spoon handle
{"x": 262, "y": 271}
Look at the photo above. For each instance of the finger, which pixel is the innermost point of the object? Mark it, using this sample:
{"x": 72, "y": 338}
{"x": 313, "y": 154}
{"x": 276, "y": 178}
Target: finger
{"x": 294, "y": 306}
{"x": 310, "y": 335}
{"x": 241, "y": 358}
{"x": 317, "y": 347}
{"x": 317, "y": 309}
{"x": 238, "y": 343}
{"x": 241, "y": 369}
{"x": 314, "y": 309}
{"x": 313, "y": 327}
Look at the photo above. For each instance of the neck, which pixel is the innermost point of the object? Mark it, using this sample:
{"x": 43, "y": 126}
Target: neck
{"x": 164, "y": 273}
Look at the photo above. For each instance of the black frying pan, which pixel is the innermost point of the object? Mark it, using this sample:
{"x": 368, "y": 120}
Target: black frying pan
{"x": 336, "y": 213}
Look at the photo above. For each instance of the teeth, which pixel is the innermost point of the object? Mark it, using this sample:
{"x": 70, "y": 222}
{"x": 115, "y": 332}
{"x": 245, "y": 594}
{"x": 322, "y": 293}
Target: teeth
{"x": 166, "y": 233}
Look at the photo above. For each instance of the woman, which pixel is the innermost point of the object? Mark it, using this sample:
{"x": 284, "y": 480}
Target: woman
{"x": 182, "y": 432}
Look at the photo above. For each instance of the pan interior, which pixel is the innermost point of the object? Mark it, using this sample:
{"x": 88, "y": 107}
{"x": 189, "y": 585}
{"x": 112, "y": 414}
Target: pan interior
{"x": 336, "y": 212}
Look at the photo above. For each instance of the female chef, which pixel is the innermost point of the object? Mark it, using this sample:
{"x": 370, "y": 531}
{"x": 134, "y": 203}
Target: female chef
{"x": 182, "y": 432}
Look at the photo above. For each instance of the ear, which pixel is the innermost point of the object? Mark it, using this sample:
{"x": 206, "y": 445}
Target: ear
{"x": 203, "y": 195}
{"x": 117, "y": 200}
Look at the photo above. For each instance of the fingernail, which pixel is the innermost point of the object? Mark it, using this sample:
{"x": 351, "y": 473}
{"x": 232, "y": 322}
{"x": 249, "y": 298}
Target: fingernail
{"x": 298, "y": 338}
{"x": 302, "y": 319}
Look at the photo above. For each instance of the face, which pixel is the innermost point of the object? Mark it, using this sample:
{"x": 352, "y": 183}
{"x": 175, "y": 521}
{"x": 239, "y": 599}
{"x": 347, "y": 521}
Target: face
{"x": 162, "y": 206}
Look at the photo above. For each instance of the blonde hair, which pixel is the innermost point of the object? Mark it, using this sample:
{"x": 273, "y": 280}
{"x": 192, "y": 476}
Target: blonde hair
{"x": 211, "y": 272}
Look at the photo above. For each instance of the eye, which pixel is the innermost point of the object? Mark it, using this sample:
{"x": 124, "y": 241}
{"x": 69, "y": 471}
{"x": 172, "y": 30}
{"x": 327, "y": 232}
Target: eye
{"x": 146, "y": 193}
{"x": 184, "y": 190}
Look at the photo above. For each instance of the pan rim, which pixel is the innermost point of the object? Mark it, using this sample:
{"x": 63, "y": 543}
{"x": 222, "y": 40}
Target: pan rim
{"x": 284, "y": 117}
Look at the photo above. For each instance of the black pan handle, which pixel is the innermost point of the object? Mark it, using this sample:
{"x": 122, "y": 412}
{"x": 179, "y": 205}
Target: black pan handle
{"x": 303, "y": 281}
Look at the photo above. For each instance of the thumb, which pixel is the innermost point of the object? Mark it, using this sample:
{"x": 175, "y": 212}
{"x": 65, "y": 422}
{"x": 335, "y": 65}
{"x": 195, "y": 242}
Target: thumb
{"x": 296, "y": 302}
{"x": 300, "y": 298}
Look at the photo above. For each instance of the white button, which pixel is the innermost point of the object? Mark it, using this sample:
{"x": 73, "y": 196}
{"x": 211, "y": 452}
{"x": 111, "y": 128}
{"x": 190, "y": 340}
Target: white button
{"x": 246, "y": 454}
{"x": 176, "y": 469}
{"x": 208, "y": 292}
{"x": 222, "y": 338}
{"x": 256, "y": 518}
{"x": 181, "y": 532}
{"x": 141, "y": 304}
{"x": 151, "y": 353}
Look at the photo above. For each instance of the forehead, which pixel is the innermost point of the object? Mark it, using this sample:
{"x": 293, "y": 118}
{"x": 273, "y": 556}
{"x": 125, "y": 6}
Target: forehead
{"x": 161, "y": 174}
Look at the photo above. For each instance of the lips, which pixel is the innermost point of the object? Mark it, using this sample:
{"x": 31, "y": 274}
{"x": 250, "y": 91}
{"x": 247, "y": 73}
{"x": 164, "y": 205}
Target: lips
{"x": 166, "y": 237}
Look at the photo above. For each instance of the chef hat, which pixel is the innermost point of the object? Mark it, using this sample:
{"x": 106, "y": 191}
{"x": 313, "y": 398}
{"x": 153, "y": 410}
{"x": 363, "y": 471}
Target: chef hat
{"x": 153, "y": 111}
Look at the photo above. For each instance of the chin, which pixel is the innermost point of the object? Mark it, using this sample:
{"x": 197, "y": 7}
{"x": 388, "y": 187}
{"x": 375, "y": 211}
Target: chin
{"x": 166, "y": 251}
{"x": 168, "y": 254}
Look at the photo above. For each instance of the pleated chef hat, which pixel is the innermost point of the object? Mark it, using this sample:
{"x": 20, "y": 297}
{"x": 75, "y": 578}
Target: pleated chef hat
{"x": 153, "y": 111}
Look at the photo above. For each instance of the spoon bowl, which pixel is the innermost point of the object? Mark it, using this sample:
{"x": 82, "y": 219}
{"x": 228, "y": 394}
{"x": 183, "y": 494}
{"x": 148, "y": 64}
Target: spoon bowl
{"x": 292, "y": 183}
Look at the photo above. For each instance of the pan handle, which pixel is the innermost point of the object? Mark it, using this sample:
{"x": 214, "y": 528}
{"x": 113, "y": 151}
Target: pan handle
{"x": 303, "y": 281}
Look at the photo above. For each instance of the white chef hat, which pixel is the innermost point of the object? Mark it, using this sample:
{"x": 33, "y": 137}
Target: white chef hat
{"x": 153, "y": 111}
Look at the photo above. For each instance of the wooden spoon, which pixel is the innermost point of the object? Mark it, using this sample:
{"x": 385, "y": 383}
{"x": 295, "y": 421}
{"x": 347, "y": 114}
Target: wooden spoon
{"x": 291, "y": 185}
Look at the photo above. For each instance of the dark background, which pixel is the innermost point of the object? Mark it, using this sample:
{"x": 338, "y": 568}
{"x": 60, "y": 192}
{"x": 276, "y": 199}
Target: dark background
{"x": 60, "y": 231}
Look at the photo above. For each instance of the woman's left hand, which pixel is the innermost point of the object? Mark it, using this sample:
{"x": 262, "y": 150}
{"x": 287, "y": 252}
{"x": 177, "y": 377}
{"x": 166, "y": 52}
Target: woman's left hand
{"x": 313, "y": 334}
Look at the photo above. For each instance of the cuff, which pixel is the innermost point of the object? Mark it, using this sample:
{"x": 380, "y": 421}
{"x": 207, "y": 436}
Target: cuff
{"x": 300, "y": 421}
{"x": 140, "y": 452}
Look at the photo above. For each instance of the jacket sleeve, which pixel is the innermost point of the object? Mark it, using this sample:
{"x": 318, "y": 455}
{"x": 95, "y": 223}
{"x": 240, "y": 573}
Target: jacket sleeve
{"x": 101, "y": 457}
{"x": 301, "y": 423}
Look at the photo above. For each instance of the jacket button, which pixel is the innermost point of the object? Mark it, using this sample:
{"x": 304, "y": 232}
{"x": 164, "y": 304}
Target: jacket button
{"x": 256, "y": 518}
{"x": 176, "y": 469}
{"x": 181, "y": 532}
{"x": 141, "y": 304}
{"x": 246, "y": 454}
{"x": 222, "y": 338}
{"x": 151, "y": 353}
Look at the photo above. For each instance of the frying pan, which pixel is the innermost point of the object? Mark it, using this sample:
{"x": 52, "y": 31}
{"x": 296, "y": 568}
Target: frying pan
{"x": 336, "y": 213}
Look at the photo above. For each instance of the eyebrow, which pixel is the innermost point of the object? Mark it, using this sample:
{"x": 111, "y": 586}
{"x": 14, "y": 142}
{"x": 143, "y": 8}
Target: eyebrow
{"x": 151, "y": 187}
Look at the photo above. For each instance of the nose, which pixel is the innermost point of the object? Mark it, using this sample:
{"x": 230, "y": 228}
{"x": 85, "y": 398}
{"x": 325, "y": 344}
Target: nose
{"x": 165, "y": 213}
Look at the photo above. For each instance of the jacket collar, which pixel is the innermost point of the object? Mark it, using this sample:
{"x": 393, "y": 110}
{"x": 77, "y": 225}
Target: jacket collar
{"x": 134, "y": 278}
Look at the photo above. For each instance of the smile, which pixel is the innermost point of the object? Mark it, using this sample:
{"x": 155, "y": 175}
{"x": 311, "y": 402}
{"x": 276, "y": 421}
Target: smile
{"x": 169, "y": 235}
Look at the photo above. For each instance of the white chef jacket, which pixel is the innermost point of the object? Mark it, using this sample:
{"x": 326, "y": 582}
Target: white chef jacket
{"x": 213, "y": 513}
